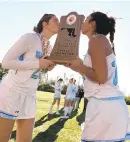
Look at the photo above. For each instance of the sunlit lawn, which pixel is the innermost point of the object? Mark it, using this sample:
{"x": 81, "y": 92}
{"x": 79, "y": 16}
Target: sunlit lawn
{"x": 55, "y": 129}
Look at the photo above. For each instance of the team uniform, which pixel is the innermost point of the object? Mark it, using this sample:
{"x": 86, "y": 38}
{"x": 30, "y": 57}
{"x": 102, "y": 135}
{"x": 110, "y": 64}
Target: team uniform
{"x": 18, "y": 87}
{"x": 71, "y": 92}
{"x": 107, "y": 113}
{"x": 70, "y": 97}
{"x": 58, "y": 88}
{"x": 57, "y": 95}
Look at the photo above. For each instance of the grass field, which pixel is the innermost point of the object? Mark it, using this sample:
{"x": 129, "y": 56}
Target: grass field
{"x": 54, "y": 129}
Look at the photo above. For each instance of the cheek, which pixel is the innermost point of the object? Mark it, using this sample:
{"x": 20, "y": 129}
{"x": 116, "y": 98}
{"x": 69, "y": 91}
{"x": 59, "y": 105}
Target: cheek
{"x": 84, "y": 27}
{"x": 54, "y": 26}
{"x": 87, "y": 27}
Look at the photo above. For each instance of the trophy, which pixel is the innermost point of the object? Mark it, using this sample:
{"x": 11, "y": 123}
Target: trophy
{"x": 66, "y": 47}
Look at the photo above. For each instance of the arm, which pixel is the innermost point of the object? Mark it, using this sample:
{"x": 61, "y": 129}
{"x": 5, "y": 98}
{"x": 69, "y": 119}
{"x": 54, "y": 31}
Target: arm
{"x": 10, "y": 61}
{"x": 67, "y": 89}
{"x": 99, "y": 70}
{"x": 76, "y": 89}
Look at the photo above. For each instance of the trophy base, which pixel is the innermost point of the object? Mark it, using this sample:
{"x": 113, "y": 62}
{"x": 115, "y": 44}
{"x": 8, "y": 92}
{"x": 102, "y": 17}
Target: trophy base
{"x": 60, "y": 61}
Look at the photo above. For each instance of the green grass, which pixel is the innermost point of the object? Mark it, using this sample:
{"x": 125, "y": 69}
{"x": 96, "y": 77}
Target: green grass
{"x": 54, "y": 129}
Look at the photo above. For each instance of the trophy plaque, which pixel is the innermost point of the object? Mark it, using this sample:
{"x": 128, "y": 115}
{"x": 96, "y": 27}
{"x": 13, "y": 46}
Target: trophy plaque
{"x": 66, "y": 47}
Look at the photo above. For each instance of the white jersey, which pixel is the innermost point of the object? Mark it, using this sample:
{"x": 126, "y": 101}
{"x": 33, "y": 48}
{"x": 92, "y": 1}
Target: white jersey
{"x": 71, "y": 91}
{"x": 110, "y": 88}
{"x": 58, "y": 88}
{"x": 23, "y": 57}
{"x": 107, "y": 112}
{"x": 18, "y": 87}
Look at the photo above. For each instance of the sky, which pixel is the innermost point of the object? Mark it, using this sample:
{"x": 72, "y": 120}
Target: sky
{"x": 19, "y": 17}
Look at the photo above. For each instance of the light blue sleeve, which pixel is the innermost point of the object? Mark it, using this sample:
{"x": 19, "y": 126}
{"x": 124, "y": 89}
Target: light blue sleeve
{"x": 10, "y": 60}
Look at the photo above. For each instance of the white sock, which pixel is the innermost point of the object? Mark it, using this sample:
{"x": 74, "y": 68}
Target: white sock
{"x": 70, "y": 109}
{"x": 66, "y": 111}
{"x": 50, "y": 111}
{"x": 57, "y": 110}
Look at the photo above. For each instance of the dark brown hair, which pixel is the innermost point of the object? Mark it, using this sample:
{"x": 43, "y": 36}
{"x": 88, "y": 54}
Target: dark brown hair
{"x": 45, "y": 18}
{"x": 104, "y": 25}
{"x": 60, "y": 79}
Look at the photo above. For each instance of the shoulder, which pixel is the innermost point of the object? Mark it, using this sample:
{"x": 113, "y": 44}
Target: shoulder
{"x": 29, "y": 37}
{"x": 98, "y": 43}
{"x": 98, "y": 39}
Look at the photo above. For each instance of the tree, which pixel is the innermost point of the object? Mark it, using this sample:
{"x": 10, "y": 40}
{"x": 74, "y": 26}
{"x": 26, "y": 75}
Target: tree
{"x": 51, "y": 82}
{"x": 2, "y": 71}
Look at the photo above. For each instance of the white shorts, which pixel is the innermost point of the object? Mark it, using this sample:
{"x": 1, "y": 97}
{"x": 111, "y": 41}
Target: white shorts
{"x": 106, "y": 120}
{"x": 18, "y": 102}
{"x": 70, "y": 98}
{"x": 57, "y": 94}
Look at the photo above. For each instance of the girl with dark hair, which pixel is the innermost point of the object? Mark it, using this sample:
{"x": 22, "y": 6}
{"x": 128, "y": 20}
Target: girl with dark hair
{"x": 107, "y": 112}
{"x": 25, "y": 59}
{"x": 57, "y": 96}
